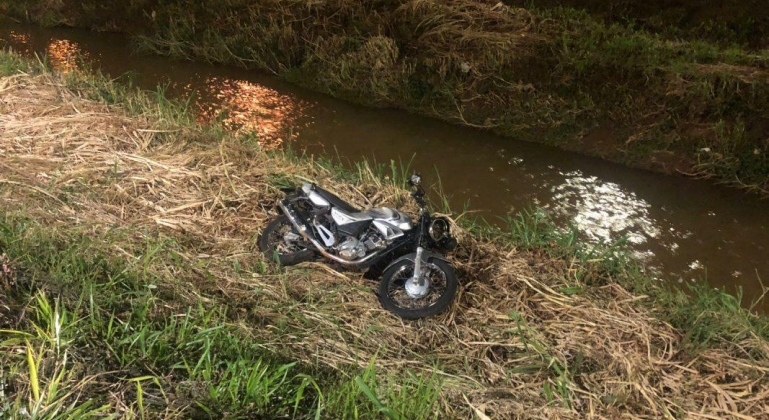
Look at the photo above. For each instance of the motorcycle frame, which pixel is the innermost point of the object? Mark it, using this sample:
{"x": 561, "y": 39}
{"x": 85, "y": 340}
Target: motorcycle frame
{"x": 409, "y": 246}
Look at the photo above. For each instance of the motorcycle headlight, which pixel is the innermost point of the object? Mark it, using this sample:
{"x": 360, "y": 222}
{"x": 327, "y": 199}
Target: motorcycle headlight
{"x": 439, "y": 230}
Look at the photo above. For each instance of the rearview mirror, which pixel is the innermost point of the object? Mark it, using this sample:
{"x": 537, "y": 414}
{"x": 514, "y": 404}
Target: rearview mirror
{"x": 415, "y": 180}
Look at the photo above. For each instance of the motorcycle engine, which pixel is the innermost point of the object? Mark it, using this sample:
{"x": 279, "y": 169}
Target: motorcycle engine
{"x": 352, "y": 249}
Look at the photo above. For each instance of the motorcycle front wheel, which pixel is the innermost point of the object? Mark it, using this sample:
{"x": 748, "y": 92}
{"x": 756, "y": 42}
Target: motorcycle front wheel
{"x": 428, "y": 299}
{"x": 281, "y": 243}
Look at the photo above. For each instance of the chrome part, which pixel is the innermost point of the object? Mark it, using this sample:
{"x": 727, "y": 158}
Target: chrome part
{"x": 317, "y": 199}
{"x": 302, "y": 228}
{"x": 439, "y": 229}
{"x": 387, "y": 230}
{"x": 375, "y": 242}
{"x": 381, "y": 213}
{"x": 426, "y": 256}
{"x": 314, "y": 197}
{"x": 417, "y": 283}
{"x": 326, "y": 235}
{"x": 372, "y": 239}
{"x": 415, "y": 179}
{"x": 284, "y": 239}
{"x": 390, "y": 216}
{"x": 399, "y": 291}
{"x": 342, "y": 218}
{"x": 293, "y": 218}
{"x": 351, "y": 249}
{"x": 418, "y": 291}
{"x": 382, "y": 217}
{"x": 389, "y": 222}
{"x": 291, "y": 237}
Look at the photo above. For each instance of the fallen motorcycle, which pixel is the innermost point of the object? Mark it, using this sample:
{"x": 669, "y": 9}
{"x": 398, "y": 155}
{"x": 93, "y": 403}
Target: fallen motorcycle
{"x": 417, "y": 281}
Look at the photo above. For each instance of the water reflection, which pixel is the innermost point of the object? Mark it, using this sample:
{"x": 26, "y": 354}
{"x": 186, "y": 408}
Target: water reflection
{"x": 65, "y": 55}
{"x": 22, "y": 39}
{"x": 603, "y": 211}
{"x": 687, "y": 230}
{"x": 17, "y": 41}
{"x": 243, "y": 106}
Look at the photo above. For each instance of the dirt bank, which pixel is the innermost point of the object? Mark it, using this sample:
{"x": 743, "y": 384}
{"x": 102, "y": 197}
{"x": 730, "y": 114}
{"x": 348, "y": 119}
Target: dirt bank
{"x": 741, "y": 22}
{"x": 531, "y": 335}
{"x": 556, "y": 76}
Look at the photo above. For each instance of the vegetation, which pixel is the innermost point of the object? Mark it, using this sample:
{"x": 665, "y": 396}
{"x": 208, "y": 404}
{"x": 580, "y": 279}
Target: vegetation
{"x": 742, "y": 23}
{"x": 554, "y": 75}
{"x": 119, "y": 319}
{"x": 132, "y": 289}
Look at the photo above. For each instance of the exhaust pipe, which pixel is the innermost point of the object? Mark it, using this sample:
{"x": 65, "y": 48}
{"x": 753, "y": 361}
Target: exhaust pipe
{"x": 302, "y": 228}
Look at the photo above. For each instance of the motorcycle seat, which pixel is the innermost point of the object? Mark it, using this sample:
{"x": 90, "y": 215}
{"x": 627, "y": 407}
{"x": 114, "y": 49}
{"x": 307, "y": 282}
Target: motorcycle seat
{"x": 336, "y": 201}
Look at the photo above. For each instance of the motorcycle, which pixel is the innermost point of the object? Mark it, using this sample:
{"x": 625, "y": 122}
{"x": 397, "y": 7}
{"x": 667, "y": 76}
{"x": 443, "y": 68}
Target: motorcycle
{"x": 417, "y": 281}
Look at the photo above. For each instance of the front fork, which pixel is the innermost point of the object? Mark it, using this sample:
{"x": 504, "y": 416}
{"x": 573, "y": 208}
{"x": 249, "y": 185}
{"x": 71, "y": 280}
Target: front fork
{"x": 418, "y": 266}
{"x": 417, "y": 286}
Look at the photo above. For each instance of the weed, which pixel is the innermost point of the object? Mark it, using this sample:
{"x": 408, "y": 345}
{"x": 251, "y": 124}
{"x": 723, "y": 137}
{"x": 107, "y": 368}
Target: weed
{"x": 145, "y": 291}
{"x": 540, "y": 74}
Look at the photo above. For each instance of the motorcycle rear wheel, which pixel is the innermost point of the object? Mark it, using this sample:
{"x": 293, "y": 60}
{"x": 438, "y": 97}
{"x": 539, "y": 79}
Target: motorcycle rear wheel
{"x": 275, "y": 247}
{"x": 442, "y": 288}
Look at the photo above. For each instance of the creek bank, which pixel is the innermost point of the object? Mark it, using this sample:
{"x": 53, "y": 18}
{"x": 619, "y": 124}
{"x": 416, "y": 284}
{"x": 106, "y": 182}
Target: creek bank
{"x": 742, "y": 23}
{"x": 555, "y": 76}
{"x": 127, "y": 232}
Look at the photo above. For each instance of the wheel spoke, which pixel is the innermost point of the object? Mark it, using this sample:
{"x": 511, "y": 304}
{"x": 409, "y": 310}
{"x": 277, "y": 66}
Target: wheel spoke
{"x": 277, "y": 240}
{"x": 396, "y": 290}
{"x": 281, "y": 243}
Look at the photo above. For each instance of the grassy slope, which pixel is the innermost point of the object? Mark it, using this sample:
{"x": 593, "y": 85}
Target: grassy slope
{"x": 131, "y": 287}
{"x": 103, "y": 313}
{"x": 727, "y": 22}
{"x": 549, "y": 75}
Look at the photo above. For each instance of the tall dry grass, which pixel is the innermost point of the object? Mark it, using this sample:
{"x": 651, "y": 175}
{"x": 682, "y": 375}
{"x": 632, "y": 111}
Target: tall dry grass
{"x": 552, "y": 75}
{"x": 524, "y": 339}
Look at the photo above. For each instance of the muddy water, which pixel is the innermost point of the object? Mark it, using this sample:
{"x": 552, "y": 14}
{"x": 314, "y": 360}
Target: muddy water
{"x": 683, "y": 229}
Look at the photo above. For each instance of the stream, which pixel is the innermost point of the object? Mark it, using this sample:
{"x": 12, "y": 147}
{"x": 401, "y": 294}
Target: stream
{"x": 683, "y": 229}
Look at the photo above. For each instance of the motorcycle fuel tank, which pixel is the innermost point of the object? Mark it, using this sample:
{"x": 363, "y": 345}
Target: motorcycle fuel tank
{"x": 389, "y": 222}
{"x": 314, "y": 197}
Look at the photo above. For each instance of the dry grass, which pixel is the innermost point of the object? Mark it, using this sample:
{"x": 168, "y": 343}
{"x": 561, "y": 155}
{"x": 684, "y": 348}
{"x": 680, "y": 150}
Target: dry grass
{"x": 554, "y": 75}
{"x": 516, "y": 344}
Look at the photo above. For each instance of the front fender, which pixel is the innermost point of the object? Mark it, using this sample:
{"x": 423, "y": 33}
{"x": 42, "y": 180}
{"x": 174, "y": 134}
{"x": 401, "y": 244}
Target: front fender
{"x": 427, "y": 256}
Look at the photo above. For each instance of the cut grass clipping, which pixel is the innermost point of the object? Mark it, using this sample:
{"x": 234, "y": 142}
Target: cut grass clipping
{"x": 131, "y": 288}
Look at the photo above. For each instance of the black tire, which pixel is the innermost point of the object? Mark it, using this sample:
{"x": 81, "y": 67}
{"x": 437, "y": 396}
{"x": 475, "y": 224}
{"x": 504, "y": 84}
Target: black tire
{"x": 274, "y": 247}
{"x": 394, "y": 298}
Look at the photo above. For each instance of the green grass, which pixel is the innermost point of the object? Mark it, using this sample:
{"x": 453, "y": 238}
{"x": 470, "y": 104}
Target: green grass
{"x": 103, "y": 320}
{"x": 83, "y": 322}
{"x": 13, "y": 63}
{"x": 90, "y": 333}
{"x": 688, "y": 19}
{"x": 541, "y": 74}
{"x": 708, "y": 316}
{"x": 709, "y": 313}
